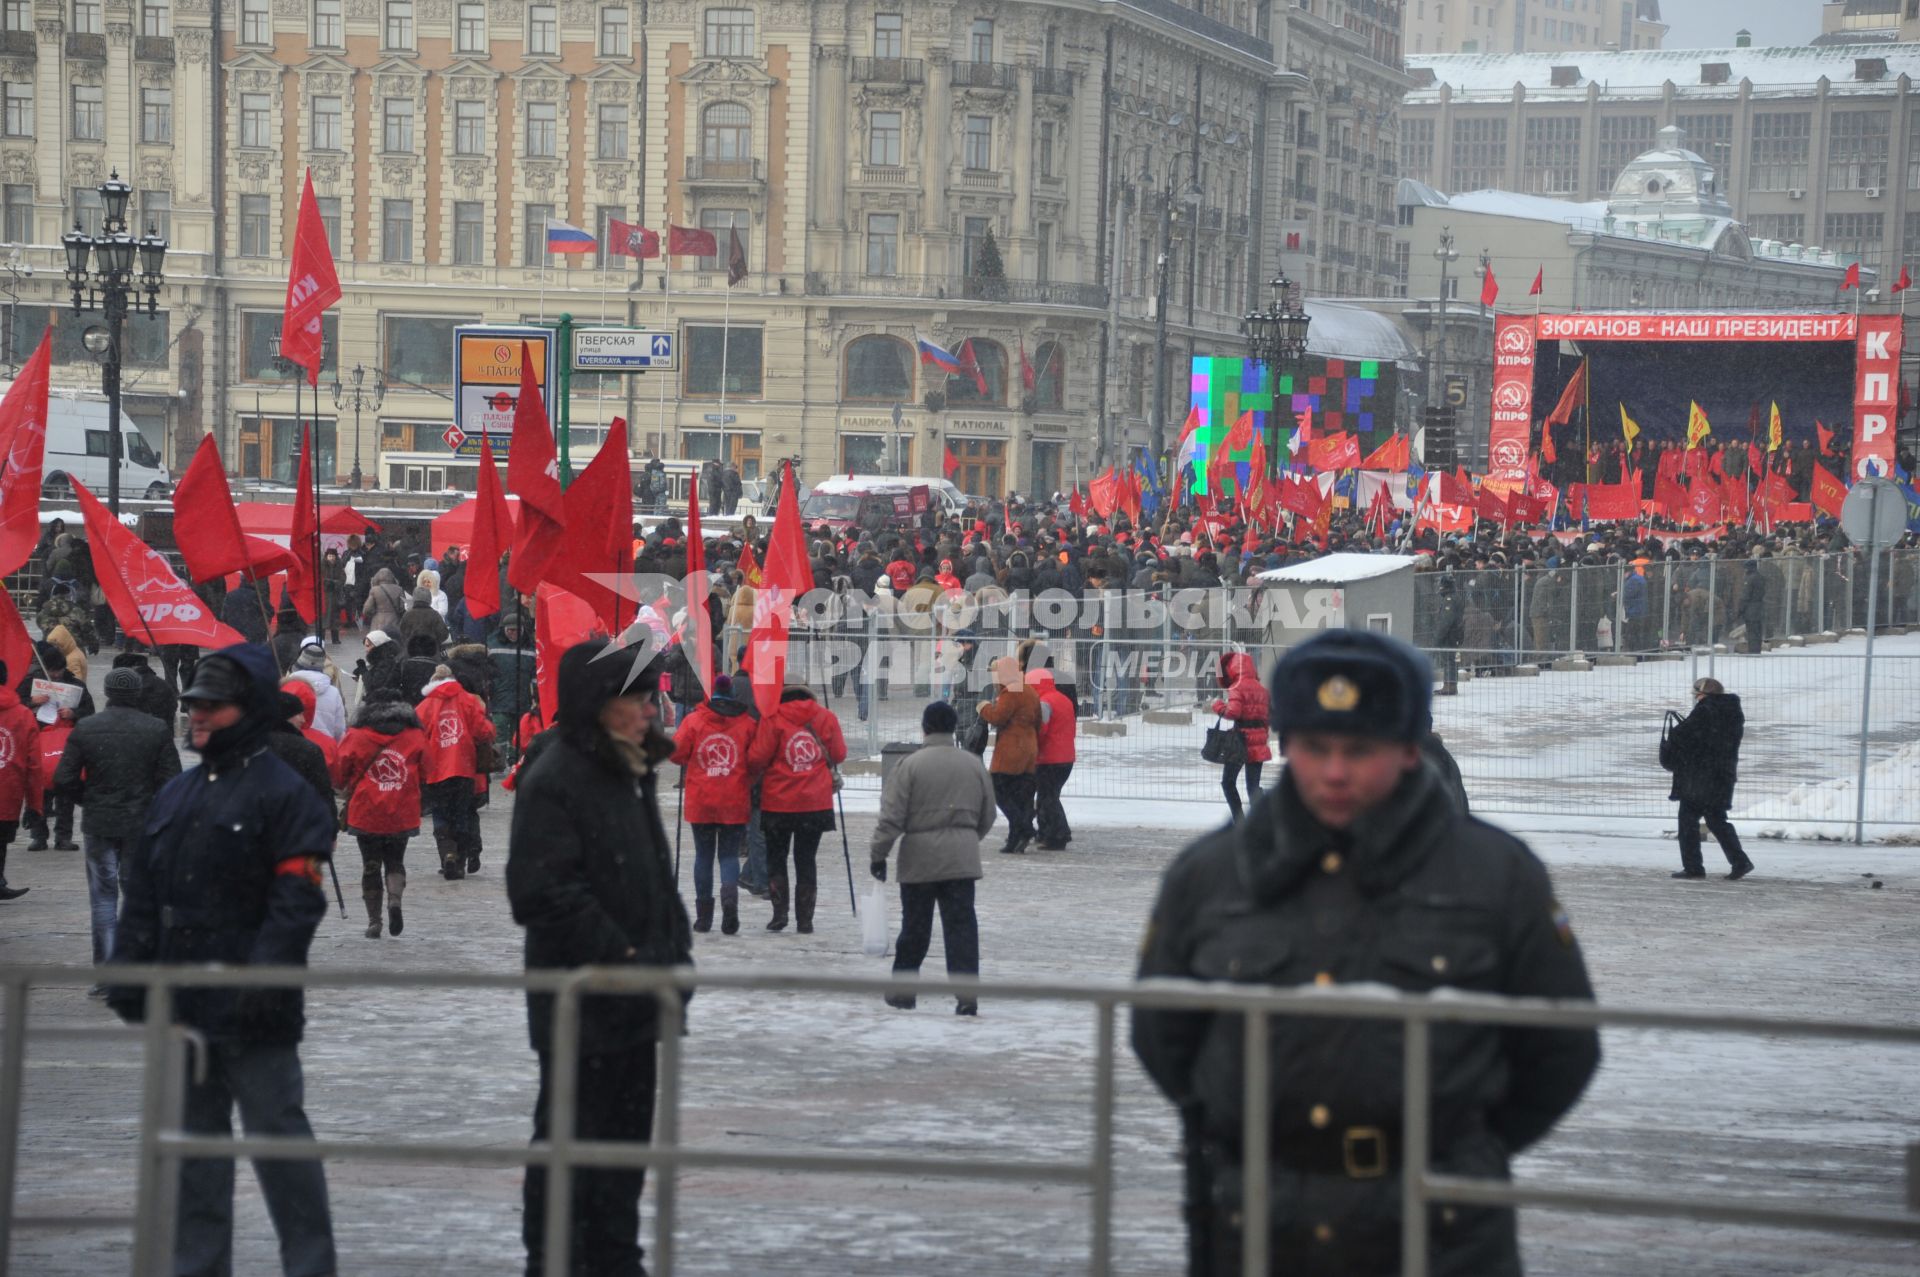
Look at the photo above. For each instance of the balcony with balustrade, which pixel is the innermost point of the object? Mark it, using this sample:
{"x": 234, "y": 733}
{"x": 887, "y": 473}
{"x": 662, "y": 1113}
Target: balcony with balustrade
{"x": 963, "y": 288}
{"x": 983, "y": 75}
{"x": 889, "y": 71}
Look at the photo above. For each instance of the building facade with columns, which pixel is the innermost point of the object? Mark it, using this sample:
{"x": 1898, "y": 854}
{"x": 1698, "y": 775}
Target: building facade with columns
{"x": 875, "y": 158}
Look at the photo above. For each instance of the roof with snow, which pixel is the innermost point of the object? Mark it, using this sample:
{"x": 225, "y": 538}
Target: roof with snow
{"x": 1789, "y": 69}
{"x": 1341, "y": 330}
{"x": 1340, "y": 569}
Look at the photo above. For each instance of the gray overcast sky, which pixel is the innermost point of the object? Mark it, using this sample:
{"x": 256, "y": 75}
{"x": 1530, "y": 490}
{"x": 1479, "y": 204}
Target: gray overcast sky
{"x": 1710, "y": 24}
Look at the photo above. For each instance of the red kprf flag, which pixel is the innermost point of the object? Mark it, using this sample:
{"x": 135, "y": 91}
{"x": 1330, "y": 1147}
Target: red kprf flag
{"x": 16, "y": 649}
{"x": 1905, "y": 281}
{"x": 786, "y": 576}
{"x": 206, "y": 526}
{"x": 1489, "y": 288}
{"x": 312, "y": 286}
{"x": 1539, "y": 278}
{"x": 1104, "y": 492}
{"x": 1240, "y": 435}
{"x": 23, "y": 437}
{"x": 628, "y": 239}
{"x": 533, "y": 474}
{"x": 148, "y": 600}
{"x": 1852, "y": 279}
{"x": 303, "y": 578}
{"x": 1828, "y": 494}
{"x": 688, "y": 241}
{"x": 492, "y": 535}
{"x": 597, "y": 549}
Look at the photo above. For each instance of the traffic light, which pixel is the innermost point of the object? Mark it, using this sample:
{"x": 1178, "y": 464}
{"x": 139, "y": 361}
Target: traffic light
{"x": 1438, "y": 451}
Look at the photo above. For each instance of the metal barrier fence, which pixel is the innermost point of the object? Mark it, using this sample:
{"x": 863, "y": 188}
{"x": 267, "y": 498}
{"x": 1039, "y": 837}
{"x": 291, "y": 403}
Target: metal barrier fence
{"x": 163, "y": 1143}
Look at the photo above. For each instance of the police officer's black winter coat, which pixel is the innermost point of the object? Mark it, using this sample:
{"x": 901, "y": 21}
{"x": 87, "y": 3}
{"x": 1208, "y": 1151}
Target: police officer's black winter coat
{"x": 1705, "y": 749}
{"x": 1416, "y": 895}
{"x": 588, "y": 873}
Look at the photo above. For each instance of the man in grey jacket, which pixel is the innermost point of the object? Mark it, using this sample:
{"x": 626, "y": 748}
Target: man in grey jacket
{"x": 938, "y": 805}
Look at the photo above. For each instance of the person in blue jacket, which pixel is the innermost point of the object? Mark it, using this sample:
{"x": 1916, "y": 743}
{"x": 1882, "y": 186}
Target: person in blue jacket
{"x": 227, "y": 869}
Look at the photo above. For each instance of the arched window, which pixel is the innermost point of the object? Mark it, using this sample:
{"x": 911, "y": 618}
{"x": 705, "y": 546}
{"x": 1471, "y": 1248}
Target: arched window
{"x": 727, "y": 132}
{"x": 991, "y": 357}
{"x": 1049, "y": 377}
{"x": 880, "y": 369}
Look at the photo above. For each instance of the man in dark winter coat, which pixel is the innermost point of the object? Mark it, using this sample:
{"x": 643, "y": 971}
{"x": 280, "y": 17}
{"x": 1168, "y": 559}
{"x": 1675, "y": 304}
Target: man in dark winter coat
{"x": 245, "y": 610}
{"x": 1703, "y": 753}
{"x": 1359, "y": 868}
{"x": 157, "y": 696}
{"x": 113, "y": 765}
{"x": 421, "y": 620}
{"x": 510, "y": 649}
{"x": 227, "y": 870}
{"x": 588, "y": 876}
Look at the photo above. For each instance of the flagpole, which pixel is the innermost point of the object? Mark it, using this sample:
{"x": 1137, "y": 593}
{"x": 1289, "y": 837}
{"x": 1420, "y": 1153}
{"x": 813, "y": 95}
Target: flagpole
{"x": 726, "y": 317}
{"x": 666, "y": 283}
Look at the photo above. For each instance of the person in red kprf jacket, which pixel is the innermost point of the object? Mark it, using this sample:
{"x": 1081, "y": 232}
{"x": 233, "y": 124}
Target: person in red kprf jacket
{"x": 1246, "y": 705}
{"x": 19, "y": 773}
{"x": 795, "y": 749}
{"x": 711, "y": 750}
{"x": 378, "y": 769}
{"x": 455, "y": 722}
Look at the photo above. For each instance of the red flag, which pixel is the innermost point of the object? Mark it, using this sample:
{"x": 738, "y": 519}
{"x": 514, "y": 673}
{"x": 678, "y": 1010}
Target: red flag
{"x": 699, "y": 620}
{"x": 1337, "y": 451}
{"x": 16, "y": 649}
{"x": 148, "y": 600}
{"x": 1026, "y": 368}
{"x": 1380, "y": 513}
{"x": 1130, "y": 494}
{"x": 788, "y": 575}
{"x": 1489, "y": 288}
{"x": 533, "y": 473}
{"x": 1613, "y": 502}
{"x": 736, "y": 257}
{"x": 1754, "y": 459}
{"x": 686, "y": 241}
{"x": 23, "y": 436}
{"x": 1703, "y": 503}
{"x": 1547, "y": 451}
{"x": 1828, "y": 492}
{"x": 1539, "y": 278}
{"x": 598, "y": 539}
{"x": 1454, "y": 489}
{"x": 303, "y": 577}
{"x": 629, "y": 239}
{"x": 1104, "y": 492}
{"x": 1257, "y": 476}
{"x": 1240, "y": 436}
{"x": 1905, "y": 281}
{"x": 1395, "y": 454}
{"x": 1853, "y": 277}
{"x": 492, "y": 534}
{"x": 312, "y": 286}
{"x": 970, "y": 367}
{"x": 1491, "y": 505}
{"x": 749, "y": 567}
{"x": 1669, "y": 498}
{"x": 948, "y": 463}
{"x": 1733, "y": 500}
{"x": 1077, "y": 504}
{"x": 206, "y": 527}
{"x": 1301, "y": 496}
{"x": 560, "y": 621}
{"x": 1570, "y": 398}
{"x": 1826, "y": 438}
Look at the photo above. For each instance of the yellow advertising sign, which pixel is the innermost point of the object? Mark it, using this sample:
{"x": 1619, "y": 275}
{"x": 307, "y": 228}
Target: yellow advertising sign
{"x": 495, "y": 361}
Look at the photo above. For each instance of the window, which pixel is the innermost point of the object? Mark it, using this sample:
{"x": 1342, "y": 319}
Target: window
{"x": 89, "y": 214}
{"x": 977, "y": 146}
{"x": 543, "y": 130}
{"x": 256, "y": 225}
{"x": 16, "y": 15}
{"x": 156, "y": 17}
{"x": 419, "y": 349}
{"x": 18, "y": 121}
{"x": 86, "y": 16}
{"x": 983, "y": 464}
{"x": 156, "y": 115}
{"x": 980, "y": 41}
{"x": 533, "y": 236}
{"x": 616, "y": 39}
{"x": 1857, "y": 150}
{"x": 17, "y": 202}
{"x": 977, "y": 231}
{"x": 470, "y": 28}
{"x": 469, "y": 127}
{"x": 1044, "y": 152}
{"x": 256, "y": 120}
{"x": 883, "y": 243}
{"x": 469, "y": 233}
{"x": 729, "y": 33}
{"x": 883, "y": 138}
{"x": 1550, "y": 157}
{"x": 398, "y": 32}
{"x": 396, "y": 230}
{"x": 991, "y": 357}
{"x": 543, "y": 30}
{"x": 1622, "y": 139}
{"x": 1710, "y": 136}
{"x": 873, "y": 454}
{"x": 879, "y": 369}
{"x": 329, "y": 207}
{"x": 1778, "y": 158}
{"x": 1788, "y": 228}
{"x": 888, "y": 35}
{"x": 610, "y": 138}
{"x": 726, "y": 132}
{"x": 1479, "y": 154}
{"x": 328, "y": 32}
{"x": 258, "y": 331}
{"x": 326, "y": 123}
{"x": 256, "y": 21}
{"x": 396, "y": 130}
{"x": 723, "y": 222}
{"x": 1043, "y": 252}
{"x": 89, "y": 112}
{"x": 1856, "y": 235}
{"x": 729, "y": 357}
{"x": 1910, "y": 243}
{"x": 1049, "y": 377}
{"x": 1416, "y": 148}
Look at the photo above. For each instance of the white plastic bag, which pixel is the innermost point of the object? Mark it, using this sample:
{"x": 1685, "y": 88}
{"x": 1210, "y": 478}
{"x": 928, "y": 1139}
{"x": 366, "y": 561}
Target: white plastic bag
{"x": 875, "y": 931}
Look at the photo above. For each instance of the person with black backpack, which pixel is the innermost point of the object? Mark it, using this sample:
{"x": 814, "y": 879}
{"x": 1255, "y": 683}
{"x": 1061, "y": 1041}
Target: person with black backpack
{"x": 1703, "y": 753}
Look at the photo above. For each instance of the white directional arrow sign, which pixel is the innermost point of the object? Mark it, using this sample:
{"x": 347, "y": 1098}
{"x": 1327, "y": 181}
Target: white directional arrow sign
{"x": 622, "y": 350}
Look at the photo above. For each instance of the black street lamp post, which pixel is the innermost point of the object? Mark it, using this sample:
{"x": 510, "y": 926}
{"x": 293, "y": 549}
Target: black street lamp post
{"x": 361, "y": 397}
{"x": 1278, "y": 335}
{"x": 111, "y": 288}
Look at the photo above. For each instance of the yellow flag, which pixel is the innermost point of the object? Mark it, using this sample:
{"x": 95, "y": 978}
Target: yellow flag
{"x": 1628, "y": 426}
{"x": 1773, "y": 431}
{"x": 1697, "y": 427}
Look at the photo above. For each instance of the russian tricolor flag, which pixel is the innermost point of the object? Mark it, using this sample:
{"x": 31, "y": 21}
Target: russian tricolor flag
{"x": 564, "y": 237}
{"x": 942, "y": 359}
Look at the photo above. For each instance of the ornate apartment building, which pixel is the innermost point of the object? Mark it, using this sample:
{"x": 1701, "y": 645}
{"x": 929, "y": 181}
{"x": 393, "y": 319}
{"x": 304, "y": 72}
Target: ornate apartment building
{"x": 1530, "y": 26}
{"x": 872, "y": 156}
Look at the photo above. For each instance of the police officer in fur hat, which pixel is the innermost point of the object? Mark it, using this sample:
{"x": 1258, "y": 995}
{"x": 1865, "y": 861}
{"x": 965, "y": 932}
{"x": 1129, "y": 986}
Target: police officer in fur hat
{"x": 1359, "y": 867}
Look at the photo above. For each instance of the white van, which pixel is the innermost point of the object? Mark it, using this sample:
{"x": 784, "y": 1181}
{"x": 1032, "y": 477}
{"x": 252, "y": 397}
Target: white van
{"x": 77, "y": 445}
